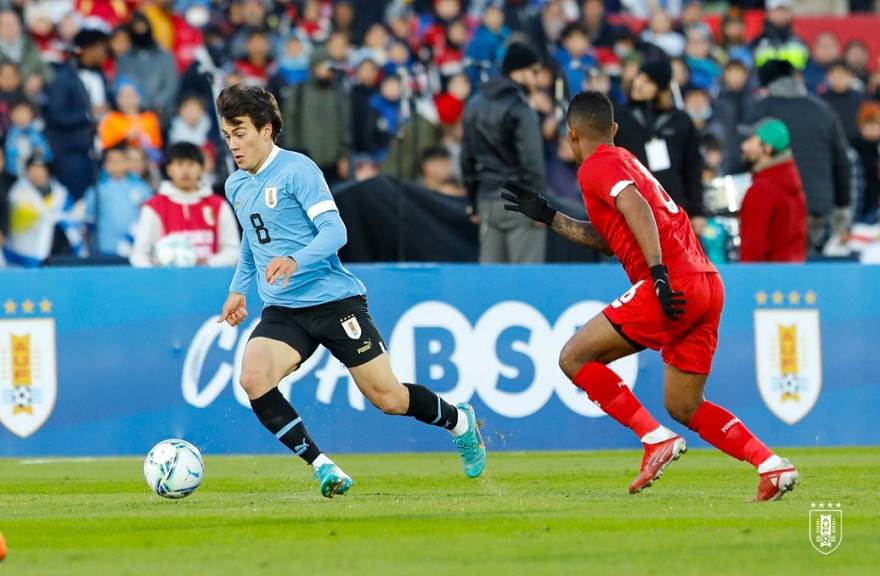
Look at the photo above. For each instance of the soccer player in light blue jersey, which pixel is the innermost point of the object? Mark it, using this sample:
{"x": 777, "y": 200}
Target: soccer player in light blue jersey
{"x": 291, "y": 234}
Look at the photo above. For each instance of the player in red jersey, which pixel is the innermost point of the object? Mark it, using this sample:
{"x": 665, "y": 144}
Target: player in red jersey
{"x": 674, "y": 304}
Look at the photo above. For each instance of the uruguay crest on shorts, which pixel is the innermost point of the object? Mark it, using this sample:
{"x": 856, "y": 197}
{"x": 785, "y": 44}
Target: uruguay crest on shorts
{"x": 270, "y": 195}
{"x": 28, "y": 373}
{"x": 352, "y": 327}
{"x": 788, "y": 359}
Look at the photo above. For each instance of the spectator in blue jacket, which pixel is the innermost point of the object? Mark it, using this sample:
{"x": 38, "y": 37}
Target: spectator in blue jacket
{"x": 24, "y": 138}
{"x": 575, "y": 56}
{"x": 485, "y": 50}
{"x": 113, "y": 203}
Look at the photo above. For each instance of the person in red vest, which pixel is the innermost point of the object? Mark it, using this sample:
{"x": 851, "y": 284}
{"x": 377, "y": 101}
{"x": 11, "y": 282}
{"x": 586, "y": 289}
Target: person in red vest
{"x": 185, "y": 224}
{"x": 773, "y": 217}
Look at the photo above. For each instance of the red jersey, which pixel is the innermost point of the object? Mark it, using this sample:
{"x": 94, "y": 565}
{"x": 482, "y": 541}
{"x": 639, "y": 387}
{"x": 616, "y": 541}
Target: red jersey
{"x": 606, "y": 174}
{"x": 199, "y": 222}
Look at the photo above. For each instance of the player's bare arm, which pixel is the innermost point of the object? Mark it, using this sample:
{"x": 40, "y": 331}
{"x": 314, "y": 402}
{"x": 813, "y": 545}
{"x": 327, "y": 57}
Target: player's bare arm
{"x": 640, "y": 220}
{"x": 637, "y": 213}
{"x": 580, "y": 232}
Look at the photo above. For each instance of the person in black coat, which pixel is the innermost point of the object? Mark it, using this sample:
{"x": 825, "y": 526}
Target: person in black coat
{"x": 735, "y": 100}
{"x": 663, "y": 138}
{"x": 71, "y": 114}
{"x": 366, "y": 138}
{"x": 502, "y": 139}
{"x": 843, "y": 98}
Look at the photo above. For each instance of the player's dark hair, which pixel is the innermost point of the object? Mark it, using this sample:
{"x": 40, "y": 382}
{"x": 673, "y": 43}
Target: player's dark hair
{"x": 591, "y": 111}
{"x": 184, "y": 151}
{"x": 258, "y": 104}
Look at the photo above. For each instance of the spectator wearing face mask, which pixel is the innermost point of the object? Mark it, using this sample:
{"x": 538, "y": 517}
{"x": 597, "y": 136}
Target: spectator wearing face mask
{"x": 664, "y": 138}
{"x": 151, "y": 67}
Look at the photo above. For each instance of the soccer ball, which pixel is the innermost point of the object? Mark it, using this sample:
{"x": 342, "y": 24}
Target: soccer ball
{"x": 174, "y": 468}
{"x": 175, "y": 251}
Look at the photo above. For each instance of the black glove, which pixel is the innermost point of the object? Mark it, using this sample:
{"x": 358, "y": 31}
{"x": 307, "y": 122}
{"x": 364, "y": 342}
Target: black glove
{"x": 671, "y": 302}
{"x": 527, "y": 202}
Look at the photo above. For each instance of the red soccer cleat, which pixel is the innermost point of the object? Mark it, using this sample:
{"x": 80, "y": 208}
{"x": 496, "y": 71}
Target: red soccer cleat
{"x": 776, "y": 482}
{"x": 657, "y": 457}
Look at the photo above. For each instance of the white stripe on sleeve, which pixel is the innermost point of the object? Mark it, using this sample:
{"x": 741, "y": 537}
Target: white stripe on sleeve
{"x": 618, "y": 188}
{"x": 320, "y": 208}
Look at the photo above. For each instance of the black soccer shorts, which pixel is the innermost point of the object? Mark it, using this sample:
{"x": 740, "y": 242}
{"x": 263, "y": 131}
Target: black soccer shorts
{"x": 343, "y": 327}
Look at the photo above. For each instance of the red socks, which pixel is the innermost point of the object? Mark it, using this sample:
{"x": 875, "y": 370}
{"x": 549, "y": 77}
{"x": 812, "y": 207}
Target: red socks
{"x": 606, "y": 389}
{"x": 713, "y": 423}
{"x": 723, "y": 430}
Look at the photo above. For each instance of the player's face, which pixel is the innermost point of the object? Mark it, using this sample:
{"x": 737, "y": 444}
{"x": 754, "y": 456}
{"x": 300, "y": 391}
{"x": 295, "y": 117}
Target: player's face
{"x": 249, "y": 146}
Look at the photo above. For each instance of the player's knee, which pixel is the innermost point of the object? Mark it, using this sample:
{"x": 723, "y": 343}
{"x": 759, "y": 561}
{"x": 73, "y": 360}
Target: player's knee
{"x": 255, "y": 381}
{"x": 570, "y": 362}
{"x": 681, "y": 411}
{"x": 393, "y": 402}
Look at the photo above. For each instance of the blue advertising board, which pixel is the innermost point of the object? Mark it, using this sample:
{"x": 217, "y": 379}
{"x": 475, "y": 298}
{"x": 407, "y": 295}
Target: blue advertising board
{"x": 103, "y": 361}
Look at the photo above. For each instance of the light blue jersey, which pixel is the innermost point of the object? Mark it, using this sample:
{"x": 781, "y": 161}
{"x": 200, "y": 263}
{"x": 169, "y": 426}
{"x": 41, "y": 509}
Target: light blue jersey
{"x": 283, "y": 209}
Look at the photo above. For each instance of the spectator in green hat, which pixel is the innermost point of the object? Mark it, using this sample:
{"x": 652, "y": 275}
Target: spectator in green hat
{"x": 773, "y": 217}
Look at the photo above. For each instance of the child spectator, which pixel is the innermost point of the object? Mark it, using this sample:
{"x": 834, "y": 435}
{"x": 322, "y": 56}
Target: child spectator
{"x": 25, "y": 137}
{"x": 128, "y": 123}
{"x": 661, "y": 35}
{"x": 385, "y": 106}
{"x": 698, "y": 56}
{"x": 399, "y": 58}
{"x": 37, "y": 204}
{"x": 254, "y": 67}
{"x": 293, "y": 64}
{"x": 112, "y": 204}
{"x": 575, "y": 57}
{"x": 140, "y": 165}
{"x": 187, "y": 212}
{"x": 191, "y": 124}
{"x": 486, "y": 48}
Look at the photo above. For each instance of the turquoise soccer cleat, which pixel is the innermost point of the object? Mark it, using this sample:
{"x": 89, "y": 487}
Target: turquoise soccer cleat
{"x": 470, "y": 444}
{"x": 333, "y": 480}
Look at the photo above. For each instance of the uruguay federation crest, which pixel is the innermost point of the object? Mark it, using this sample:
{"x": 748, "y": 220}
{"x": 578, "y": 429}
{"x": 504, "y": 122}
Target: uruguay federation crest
{"x": 28, "y": 374}
{"x": 788, "y": 358}
{"x": 352, "y": 327}
{"x": 270, "y": 195}
{"x": 826, "y": 527}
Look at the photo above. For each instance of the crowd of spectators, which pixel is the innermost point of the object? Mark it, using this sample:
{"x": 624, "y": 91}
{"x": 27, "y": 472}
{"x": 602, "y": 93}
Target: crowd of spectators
{"x": 94, "y": 92}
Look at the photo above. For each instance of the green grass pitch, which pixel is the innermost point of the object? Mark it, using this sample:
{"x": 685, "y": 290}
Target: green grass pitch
{"x": 530, "y": 513}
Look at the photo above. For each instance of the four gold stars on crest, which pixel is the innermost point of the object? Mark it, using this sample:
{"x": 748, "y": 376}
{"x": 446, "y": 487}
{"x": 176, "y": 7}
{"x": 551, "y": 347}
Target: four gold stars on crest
{"x": 27, "y": 306}
{"x": 778, "y": 298}
{"x": 824, "y": 504}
